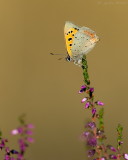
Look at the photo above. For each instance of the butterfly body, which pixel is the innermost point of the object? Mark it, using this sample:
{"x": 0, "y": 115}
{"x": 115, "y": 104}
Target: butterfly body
{"x": 79, "y": 41}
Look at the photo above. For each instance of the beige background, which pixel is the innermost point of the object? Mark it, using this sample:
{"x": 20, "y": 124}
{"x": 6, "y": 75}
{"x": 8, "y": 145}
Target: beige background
{"x": 35, "y": 83}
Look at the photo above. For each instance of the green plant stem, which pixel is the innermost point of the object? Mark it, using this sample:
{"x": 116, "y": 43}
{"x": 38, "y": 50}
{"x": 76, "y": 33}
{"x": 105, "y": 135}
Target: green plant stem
{"x": 94, "y": 118}
{"x": 85, "y": 70}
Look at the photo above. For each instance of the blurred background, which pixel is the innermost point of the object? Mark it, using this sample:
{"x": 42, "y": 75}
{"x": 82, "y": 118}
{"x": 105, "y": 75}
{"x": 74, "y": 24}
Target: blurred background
{"x": 46, "y": 89}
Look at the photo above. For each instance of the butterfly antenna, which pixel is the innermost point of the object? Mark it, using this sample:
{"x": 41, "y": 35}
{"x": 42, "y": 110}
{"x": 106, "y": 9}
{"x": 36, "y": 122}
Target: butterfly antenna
{"x": 60, "y": 58}
{"x": 56, "y": 54}
{"x": 52, "y": 53}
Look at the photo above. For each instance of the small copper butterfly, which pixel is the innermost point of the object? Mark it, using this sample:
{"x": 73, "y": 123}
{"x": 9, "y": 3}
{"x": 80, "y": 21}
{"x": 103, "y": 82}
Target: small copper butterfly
{"x": 79, "y": 41}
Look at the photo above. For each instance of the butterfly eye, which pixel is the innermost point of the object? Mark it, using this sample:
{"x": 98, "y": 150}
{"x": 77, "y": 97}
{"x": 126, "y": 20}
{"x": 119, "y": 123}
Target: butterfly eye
{"x": 68, "y": 58}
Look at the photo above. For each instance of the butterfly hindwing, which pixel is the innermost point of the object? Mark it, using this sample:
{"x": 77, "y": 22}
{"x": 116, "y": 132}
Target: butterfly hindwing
{"x": 81, "y": 44}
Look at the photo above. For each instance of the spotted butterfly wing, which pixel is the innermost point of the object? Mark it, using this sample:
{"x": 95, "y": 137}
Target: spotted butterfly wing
{"x": 84, "y": 41}
{"x": 79, "y": 41}
{"x": 70, "y": 30}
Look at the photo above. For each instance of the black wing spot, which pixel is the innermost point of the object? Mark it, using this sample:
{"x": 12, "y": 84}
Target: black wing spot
{"x": 70, "y": 44}
{"x": 69, "y": 39}
{"x": 76, "y": 29}
{"x": 72, "y": 34}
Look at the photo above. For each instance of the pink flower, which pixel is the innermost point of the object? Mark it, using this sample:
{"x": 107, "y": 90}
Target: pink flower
{"x": 14, "y": 132}
{"x": 83, "y": 89}
{"x": 83, "y": 100}
{"x": 30, "y": 126}
{"x": 29, "y": 132}
{"x": 126, "y": 156}
{"x": 87, "y": 105}
{"x": 29, "y": 139}
{"x": 93, "y": 111}
{"x": 100, "y": 103}
{"x": 111, "y": 148}
{"x": 20, "y": 130}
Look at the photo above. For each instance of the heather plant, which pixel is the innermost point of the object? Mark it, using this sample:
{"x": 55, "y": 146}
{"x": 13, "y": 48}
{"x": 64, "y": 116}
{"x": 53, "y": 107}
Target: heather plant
{"x": 24, "y": 131}
{"x": 94, "y": 134}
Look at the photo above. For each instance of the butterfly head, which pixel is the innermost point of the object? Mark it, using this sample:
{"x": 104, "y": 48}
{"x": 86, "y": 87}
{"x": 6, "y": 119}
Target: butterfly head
{"x": 68, "y": 58}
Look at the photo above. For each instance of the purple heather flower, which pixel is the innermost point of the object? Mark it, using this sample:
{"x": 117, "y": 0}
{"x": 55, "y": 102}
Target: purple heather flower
{"x": 100, "y": 103}
{"x": 112, "y": 156}
{"x": 91, "y": 152}
{"x": 91, "y": 125}
{"x": 87, "y": 105}
{"x": 20, "y": 157}
{"x": 91, "y": 90}
{"x": 14, "y": 132}
{"x": 24, "y": 130}
{"x": 83, "y": 100}
{"x": 22, "y": 145}
{"x": 20, "y": 130}
{"x": 126, "y": 156}
{"x": 91, "y": 141}
{"x": 111, "y": 148}
{"x": 86, "y": 134}
{"x": 2, "y": 144}
{"x": 83, "y": 89}
{"x": 29, "y": 139}
{"x": 29, "y": 132}
{"x": 102, "y": 158}
{"x": 93, "y": 111}
{"x": 17, "y": 131}
{"x": 31, "y": 126}
{"x": 7, "y": 157}
{"x": 7, "y": 150}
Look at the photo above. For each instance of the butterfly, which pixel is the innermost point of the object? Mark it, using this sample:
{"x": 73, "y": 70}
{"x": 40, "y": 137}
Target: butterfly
{"x": 79, "y": 41}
